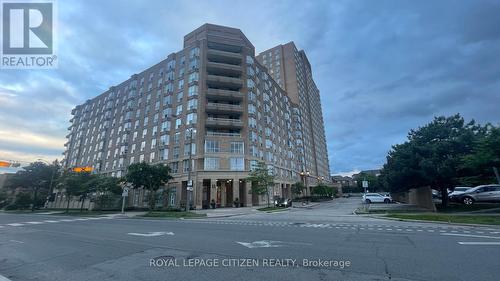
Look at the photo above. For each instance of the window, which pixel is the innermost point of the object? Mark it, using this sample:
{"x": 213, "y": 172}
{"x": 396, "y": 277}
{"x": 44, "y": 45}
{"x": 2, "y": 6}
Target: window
{"x": 251, "y": 109}
{"x": 175, "y": 153}
{"x": 237, "y": 163}
{"x": 187, "y": 148}
{"x": 180, "y": 95}
{"x": 153, "y": 144}
{"x": 185, "y": 166}
{"x": 143, "y": 145}
{"x": 141, "y": 158}
{"x": 193, "y": 77}
{"x": 237, "y": 147}
{"x": 165, "y": 126}
{"x": 192, "y": 104}
{"x": 167, "y": 112}
{"x": 195, "y": 52}
{"x": 212, "y": 146}
{"x": 164, "y": 154}
{"x": 211, "y": 163}
{"x": 165, "y": 139}
{"x": 191, "y": 118}
{"x": 174, "y": 167}
{"x": 249, "y": 60}
{"x": 193, "y": 90}
{"x": 178, "y": 123}
{"x": 178, "y": 110}
{"x": 151, "y": 157}
{"x": 250, "y": 83}
{"x": 180, "y": 84}
{"x": 167, "y": 100}
{"x": 252, "y": 122}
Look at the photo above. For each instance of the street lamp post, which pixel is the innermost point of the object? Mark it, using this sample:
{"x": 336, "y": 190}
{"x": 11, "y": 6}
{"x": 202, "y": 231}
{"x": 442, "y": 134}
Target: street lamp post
{"x": 190, "y": 185}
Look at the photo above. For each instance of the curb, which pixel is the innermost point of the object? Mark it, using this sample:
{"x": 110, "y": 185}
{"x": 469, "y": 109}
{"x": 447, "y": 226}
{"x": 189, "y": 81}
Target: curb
{"x": 436, "y": 222}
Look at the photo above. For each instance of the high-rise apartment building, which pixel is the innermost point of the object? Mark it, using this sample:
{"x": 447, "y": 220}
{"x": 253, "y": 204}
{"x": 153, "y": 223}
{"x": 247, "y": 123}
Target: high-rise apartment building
{"x": 291, "y": 69}
{"x": 212, "y": 103}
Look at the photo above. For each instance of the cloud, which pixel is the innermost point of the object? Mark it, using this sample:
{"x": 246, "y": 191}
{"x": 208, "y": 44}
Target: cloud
{"x": 383, "y": 67}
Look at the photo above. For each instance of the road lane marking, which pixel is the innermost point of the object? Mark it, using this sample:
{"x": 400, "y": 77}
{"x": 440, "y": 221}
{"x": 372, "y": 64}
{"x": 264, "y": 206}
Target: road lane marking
{"x": 50, "y": 221}
{"x": 151, "y": 234}
{"x": 34, "y": 222}
{"x": 15, "y": 224}
{"x": 470, "y": 235}
{"x": 479, "y": 243}
{"x": 16, "y": 241}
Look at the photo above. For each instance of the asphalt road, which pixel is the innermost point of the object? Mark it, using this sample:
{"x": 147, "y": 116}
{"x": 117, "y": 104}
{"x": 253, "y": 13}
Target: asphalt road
{"x": 290, "y": 245}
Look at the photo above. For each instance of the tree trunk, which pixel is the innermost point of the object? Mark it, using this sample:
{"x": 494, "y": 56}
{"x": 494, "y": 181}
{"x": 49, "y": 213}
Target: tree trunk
{"x": 151, "y": 199}
{"x": 81, "y": 206}
{"x": 444, "y": 197}
{"x": 267, "y": 193}
{"x": 35, "y": 191}
{"x": 67, "y": 205}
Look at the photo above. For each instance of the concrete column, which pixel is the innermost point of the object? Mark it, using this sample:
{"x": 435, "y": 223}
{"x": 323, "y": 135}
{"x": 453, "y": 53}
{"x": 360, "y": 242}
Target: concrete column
{"x": 198, "y": 194}
{"x": 248, "y": 188}
{"x": 236, "y": 189}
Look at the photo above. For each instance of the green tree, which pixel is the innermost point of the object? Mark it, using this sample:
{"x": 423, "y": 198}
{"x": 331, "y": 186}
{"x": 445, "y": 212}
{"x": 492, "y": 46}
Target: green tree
{"x": 104, "y": 188}
{"x": 478, "y": 166}
{"x": 36, "y": 177}
{"x": 298, "y": 188}
{"x": 261, "y": 179}
{"x": 23, "y": 201}
{"x": 373, "y": 181}
{"x": 151, "y": 177}
{"x": 74, "y": 184}
{"x": 323, "y": 190}
{"x": 432, "y": 156}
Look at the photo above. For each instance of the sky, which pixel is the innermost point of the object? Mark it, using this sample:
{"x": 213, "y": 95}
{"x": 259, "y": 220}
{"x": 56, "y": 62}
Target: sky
{"x": 382, "y": 67}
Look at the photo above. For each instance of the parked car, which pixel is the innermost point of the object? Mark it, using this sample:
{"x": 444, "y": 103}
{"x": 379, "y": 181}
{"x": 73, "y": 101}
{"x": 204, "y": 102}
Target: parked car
{"x": 482, "y": 193}
{"x": 455, "y": 194}
{"x": 283, "y": 202}
{"x": 376, "y": 198}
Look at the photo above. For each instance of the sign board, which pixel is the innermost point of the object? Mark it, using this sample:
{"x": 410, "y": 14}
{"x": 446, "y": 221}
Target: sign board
{"x": 82, "y": 169}
{"x": 125, "y": 192}
{"x": 190, "y": 183}
{"x": 365, "y": 184}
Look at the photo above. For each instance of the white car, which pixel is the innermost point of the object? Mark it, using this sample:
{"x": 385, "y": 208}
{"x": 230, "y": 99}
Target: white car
{"x": 376, "y": 198}
{"x": 458, "y": 191}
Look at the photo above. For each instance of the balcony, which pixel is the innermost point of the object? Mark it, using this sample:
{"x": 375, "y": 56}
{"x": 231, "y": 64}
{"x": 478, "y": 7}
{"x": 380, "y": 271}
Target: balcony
{"x": 223, "y": 108}
{"x": 224, "y": 57}
{"x": 222, "y": 134}
{"x": 218, "y": 68}
{"x": 217, "y": 81}
{"x": 226, "y": 95}
{"x": 223, "y": 122}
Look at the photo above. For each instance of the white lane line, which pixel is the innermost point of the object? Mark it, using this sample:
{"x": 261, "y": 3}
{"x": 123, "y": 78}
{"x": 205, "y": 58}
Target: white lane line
{"x": 34, "y": 222}
{"x": 16, "y": 241}
{"x": 151, "y": 234}
{"x": 471, "y": 235}
{"x": 479, "y": 243}
{"x": 66, "y": 220}
{"x": 81, "y": 219}
{"x": 15, "y": 224}
{"x": 50, "y": 221}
